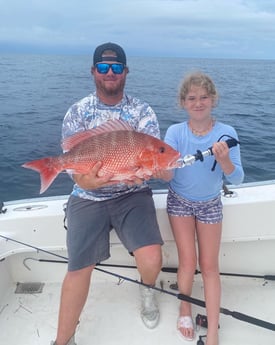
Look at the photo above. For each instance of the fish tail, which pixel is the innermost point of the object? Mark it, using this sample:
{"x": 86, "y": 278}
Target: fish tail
{"x": 48, "y": 168}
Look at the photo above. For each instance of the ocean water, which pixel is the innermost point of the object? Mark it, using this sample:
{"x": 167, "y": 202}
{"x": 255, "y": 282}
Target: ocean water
{"x": 37, "y": 90}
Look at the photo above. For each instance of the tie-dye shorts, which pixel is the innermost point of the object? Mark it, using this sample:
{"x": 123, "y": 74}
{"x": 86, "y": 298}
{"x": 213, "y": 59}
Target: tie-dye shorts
{"x": 209, "y": 211}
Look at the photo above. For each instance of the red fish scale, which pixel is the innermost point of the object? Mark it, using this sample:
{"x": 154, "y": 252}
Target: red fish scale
{"x": 118, "y": 151}
{"x": 124, "y": 153}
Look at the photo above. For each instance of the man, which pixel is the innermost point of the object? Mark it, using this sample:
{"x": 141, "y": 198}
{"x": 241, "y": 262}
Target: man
{"x": 89, "y": 222}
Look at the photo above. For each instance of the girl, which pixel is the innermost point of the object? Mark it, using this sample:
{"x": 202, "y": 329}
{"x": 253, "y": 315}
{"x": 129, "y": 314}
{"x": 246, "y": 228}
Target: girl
{"x": 194, "y": 200}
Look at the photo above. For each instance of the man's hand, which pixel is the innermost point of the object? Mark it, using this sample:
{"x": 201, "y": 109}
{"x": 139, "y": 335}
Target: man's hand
{"x": 165, "y": 175}
{"x": 91, "y": 180}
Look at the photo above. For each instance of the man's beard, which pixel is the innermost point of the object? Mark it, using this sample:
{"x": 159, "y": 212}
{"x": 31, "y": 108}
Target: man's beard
{"x": 113, "y": 89}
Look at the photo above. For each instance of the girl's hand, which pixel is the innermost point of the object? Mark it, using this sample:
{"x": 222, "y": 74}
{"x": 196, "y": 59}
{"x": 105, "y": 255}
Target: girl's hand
{"x": 221, "y": 152}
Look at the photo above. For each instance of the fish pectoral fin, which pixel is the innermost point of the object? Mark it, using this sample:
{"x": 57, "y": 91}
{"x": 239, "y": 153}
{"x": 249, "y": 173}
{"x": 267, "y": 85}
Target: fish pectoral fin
{"x": 143, "y": 172}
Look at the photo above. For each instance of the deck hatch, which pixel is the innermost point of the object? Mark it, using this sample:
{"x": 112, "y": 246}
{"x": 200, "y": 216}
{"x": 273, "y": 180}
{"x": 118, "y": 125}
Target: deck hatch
{"x": 29, "y": 287}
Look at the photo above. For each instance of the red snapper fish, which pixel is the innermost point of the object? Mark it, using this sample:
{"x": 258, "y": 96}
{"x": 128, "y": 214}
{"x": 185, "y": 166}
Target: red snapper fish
{"x": 123, "y": 152}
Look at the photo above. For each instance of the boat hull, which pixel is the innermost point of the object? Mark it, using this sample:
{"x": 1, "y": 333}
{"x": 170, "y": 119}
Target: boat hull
{"x": 33, "y": 251}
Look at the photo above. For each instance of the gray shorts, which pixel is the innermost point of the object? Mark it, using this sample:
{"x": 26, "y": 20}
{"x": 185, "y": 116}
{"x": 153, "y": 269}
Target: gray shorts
{"x": 208, "y": 212}
{"x": 133, "y": 216}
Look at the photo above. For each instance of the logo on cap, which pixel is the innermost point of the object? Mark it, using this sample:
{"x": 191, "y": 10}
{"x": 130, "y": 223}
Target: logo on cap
{"x": 99, "y": 53}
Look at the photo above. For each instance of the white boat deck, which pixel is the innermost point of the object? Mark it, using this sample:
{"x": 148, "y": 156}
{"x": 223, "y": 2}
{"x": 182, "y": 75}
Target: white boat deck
{"x": 111, "y": 314}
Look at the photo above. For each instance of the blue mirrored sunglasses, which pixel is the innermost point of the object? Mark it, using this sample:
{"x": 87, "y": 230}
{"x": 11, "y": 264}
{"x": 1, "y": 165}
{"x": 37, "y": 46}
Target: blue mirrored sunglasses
{"x": 103, "y": 68}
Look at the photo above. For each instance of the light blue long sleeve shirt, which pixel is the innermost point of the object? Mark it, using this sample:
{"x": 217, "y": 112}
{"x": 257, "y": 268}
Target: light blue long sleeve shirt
{"x": 198, "y": 182}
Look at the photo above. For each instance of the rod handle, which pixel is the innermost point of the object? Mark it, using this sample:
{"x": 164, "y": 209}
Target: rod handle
{"x": 230, "y": 143}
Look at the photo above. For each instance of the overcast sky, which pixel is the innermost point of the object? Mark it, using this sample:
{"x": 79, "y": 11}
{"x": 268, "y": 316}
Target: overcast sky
{"x": 184, "y": 28}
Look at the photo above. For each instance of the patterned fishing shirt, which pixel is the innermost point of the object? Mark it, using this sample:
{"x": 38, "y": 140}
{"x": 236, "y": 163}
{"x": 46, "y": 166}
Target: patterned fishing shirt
{"x": 90, "y": 113}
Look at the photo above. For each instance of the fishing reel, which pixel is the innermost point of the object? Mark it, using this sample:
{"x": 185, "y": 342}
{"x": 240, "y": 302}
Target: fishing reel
{"x": 201, "y": 321}
{"x": 2, "y": 209}
{"x": 200, "y": 341}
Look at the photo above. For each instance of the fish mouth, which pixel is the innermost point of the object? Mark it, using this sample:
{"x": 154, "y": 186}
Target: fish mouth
{"x": 174, "y": 163}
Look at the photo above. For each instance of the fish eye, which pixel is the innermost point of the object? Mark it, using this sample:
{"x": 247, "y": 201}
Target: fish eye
{"x": 161, "y": 149}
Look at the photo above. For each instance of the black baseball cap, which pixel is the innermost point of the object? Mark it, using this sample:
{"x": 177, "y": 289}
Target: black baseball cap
{"x": 120, "y": 54}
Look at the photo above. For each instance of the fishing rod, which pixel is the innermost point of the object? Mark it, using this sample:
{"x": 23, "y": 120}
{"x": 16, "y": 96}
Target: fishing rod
{"x": 192, "y": 300}
{"x": 163, "y": 269}
{"x": 265, "y": 277}
{"x": 201, "y": 303}
{"x": 200, "y": 155}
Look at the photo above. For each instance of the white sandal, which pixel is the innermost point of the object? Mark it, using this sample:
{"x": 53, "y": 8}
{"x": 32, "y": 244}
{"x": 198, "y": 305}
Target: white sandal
{"x": 187, "y": 323}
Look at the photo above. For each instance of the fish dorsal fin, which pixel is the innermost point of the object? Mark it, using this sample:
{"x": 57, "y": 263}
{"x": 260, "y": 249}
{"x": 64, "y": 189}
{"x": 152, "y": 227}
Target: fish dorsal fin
{"x": 109, "y": 126}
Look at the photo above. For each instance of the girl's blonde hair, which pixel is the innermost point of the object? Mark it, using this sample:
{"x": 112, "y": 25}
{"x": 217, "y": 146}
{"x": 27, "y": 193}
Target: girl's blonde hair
{"x": 198, "y": 79}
